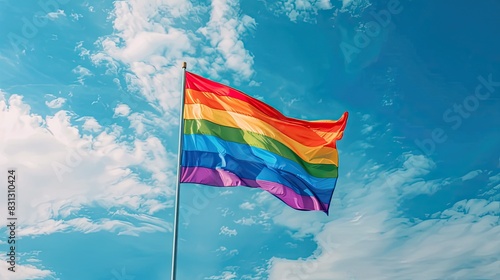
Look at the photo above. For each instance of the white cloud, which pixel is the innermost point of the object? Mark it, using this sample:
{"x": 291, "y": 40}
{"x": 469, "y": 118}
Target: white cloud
{"x": 354, "y": 7}
{"x": 76, "y": 16}
{"x": 247, "y": 206}
{"x": 22, "y": 123}
{"x": 304, "y": 10}
{"x": 122, "y": 110}
{"x": 226, "y": 275}
{"x": 82, "y": 72}
{"x": 150, "y": 40}
{"x": 55, "y": 103}
{"x": 262, "y": 219}
{"x": 307, "y": 10}
{"x": 494, "y": 192}
{"x": 25, "y": 271}
{"x": 226, "y": 192}
{"x": 367, "y": 128}
{"x": 471, "y": 175}
{"x": 148, "y": 44}
{"x": 226, "y": 231}
{"x": 354, "y": 4}
{"x": 428, "y": 187}
{"x": 369, "y": 231}
{"x": 246, "y": 221}
{"x": 224, "y": 31}
{"x": 146, "y": 122}
{"x": 226, "y": 212}
{"x": 145, "y": 44}
{"x": 495, "y": 178}
{"x": 55, "y": 15}
{"x": 289, "y": 102}
{"x": 120, "y": 227}
{"x": 227, "y": 252}
{"x": 233, "y": 252}
{"x": 221, "y": 249}
{"x": 346, "y": 3}
{"x": 82, "y": 51}
{"x": 91, "y": 124}
{"x": 69, "y": 170}
{"x": 256, "y": 84}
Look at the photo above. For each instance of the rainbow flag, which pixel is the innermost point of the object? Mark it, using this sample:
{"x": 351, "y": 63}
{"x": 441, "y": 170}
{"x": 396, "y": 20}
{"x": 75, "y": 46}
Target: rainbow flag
{"x": 231, "y": 139}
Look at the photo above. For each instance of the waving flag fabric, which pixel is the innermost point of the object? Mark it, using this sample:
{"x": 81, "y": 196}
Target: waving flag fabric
{"x": 231, "y": 139}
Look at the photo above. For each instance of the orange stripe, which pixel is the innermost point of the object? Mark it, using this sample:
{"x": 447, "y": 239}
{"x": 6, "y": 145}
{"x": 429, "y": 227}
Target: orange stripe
{"x": 316, "y": 154}
{"x": 198, "y": 83}
{"x": 301, "y": 133}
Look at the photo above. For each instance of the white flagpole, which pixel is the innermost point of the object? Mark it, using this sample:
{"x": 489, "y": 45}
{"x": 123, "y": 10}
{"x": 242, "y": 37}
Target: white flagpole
{"x": 177, "y": 187}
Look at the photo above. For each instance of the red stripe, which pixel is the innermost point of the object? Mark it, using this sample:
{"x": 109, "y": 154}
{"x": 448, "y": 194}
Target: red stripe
{"x": 199, "y": 83}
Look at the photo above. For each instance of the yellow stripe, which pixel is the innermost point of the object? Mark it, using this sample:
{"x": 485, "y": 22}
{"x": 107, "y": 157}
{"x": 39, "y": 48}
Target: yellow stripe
{"x": 228, "y": 103}
{"x": 318, "y": 154}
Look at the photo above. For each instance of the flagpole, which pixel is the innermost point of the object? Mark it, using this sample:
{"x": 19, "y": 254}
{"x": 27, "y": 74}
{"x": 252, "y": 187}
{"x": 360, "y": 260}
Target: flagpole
{"x": 177, "y": 187}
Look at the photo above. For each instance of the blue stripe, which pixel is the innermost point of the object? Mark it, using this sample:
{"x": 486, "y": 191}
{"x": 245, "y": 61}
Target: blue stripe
{"x": 253, "y": 163}
{"x": 210, "y": 143}
{"x": 256, "y": 171}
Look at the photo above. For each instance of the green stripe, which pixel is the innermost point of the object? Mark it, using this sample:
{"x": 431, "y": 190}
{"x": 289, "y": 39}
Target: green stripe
{"x": 260, "y": 141}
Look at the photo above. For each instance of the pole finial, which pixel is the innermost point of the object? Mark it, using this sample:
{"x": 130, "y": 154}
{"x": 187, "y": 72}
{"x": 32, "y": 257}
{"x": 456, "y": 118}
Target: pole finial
{"x": 184, "y": 65}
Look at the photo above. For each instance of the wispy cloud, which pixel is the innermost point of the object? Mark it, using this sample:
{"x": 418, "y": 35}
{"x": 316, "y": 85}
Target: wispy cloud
{"x": 71, "y": 169}
{"x": 372, "y": 232}
{"x": 304, "y": 10}
{"x": 25, "y": 271}
{"x": 147, "y": 43}
{"x": 224, "y": 31}
{"x": 247, "y": 206}
{"x": 82, "y": 72}
{"x": 120, "y": 227}
{"x": 354, "y": 7}
{"x": 471, "y": 175}
{"x": 262, "y": 219}
{"x": 227, "y": 252}
{"x": 226, "y": 231}
{"x": 57, "y": 14}
{"x": 76, "y": 16}
{"x": 151, "y": 51}
{"x": 91, "y": 124}
{"x": 246, "y": 221}
{"x": 226, "y": 275}
{"x": 122, "y": 110}
{"x": 55, "y": 103}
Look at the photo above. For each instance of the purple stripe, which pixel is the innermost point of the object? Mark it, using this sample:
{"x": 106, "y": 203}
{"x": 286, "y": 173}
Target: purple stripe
{"x": 223, "y": 178}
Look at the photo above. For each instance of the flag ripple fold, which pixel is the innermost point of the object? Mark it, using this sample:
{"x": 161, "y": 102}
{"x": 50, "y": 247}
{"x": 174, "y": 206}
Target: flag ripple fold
{"x": 231, "y": 139}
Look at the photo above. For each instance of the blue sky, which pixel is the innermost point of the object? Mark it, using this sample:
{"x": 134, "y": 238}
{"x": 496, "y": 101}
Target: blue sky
{"x": 89, "y": 104}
